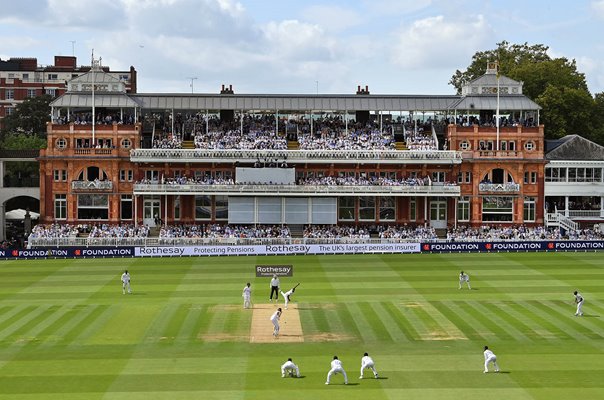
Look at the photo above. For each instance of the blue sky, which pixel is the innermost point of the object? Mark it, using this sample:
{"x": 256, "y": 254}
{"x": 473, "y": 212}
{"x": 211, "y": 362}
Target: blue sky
{"x": 293, "y": 46}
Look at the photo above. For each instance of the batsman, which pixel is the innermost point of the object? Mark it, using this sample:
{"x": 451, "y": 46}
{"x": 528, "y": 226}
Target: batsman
{"x": 287, "y": 295}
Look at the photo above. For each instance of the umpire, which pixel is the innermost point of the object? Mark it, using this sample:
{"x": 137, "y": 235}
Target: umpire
{"x": 274, "y": 289}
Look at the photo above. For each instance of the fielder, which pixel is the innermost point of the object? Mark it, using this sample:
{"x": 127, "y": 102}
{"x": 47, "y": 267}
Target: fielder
{"x": 289, "y": 368}
{"x": 579, "y": 300}
{"x": 463, "y": 277}
{"x": 287, "y": 295}
{"x": 489, "y": 357}
{"x": 247, "y": 295}
{"x": 275, "y": 320}
{"x": 126, "y": 282}
{"x": 336, "y": 367}
{"x": 274, "y": 289}
{"x": 367, "y": 363}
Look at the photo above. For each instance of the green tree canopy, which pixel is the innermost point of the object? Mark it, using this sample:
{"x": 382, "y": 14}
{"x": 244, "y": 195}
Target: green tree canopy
{"x": 554, "y": 83}
{"x": 29, "y": 117}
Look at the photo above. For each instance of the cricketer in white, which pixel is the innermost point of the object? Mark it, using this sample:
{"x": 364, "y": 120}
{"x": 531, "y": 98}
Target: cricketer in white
{"x": 367, "y": 363}
{"x": 336, "y": 367}
{"x": 275, "y": 320}
{"x": 290, "y": 368}
{"x": 489, "y": 357}
{"x": 579, "y": 300}
{"x": 126, "y": 282}
{"x": 247, "y": 295}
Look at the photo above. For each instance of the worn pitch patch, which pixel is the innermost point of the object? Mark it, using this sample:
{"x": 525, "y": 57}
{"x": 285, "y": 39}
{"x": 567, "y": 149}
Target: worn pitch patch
{"x": 262, "y": 327}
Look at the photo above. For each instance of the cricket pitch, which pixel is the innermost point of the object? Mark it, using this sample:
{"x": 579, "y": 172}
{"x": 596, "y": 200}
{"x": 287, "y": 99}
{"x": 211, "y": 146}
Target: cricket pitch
{"x": 262, "y": 327}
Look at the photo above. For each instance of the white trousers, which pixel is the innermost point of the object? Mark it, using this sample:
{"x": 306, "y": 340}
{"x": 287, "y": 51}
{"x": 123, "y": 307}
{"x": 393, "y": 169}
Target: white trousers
{"x": 276, "y": 327}
{"x": 290, "y": 367}
{"x": 579, "y": 308}
{"x": 286, "y": 299}
{"x": 246, "y": 301}
{"x": 370, "y": 366}
{"x": 491, "y": 360}
{"x": 337, "y": 370}
{"x": 126, "y": 287}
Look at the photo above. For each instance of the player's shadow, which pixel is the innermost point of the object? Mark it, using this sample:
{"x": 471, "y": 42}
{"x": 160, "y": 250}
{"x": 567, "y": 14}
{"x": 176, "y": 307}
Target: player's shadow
{"x": 590, "y": 316}
{"x": 352, "y": 384}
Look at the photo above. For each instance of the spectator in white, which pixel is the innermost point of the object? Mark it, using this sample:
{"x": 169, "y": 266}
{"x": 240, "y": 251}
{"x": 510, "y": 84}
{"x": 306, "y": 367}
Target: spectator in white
{"x": 247, "y": 295}
{"x": 274, "y": 288}
{"x": 489, "y": 357}
{"x": 579, "y": 300}
{"x": 336, "y": 367}
{"x": 275, "y": 320}
{"x": 286, "y": 295}
{"x": 289, "y": 368}
{"x": 463, "y": 277}
{"x": 367, "y": 362}
{"x": 126, "y": 282}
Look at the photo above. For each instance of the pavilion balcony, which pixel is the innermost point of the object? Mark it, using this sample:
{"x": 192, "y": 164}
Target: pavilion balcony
{"x": 296, "y": 190}
{"x": 92, "y": 186}
{"x": 499, "y": 187}
{"x": 297, "y": 156}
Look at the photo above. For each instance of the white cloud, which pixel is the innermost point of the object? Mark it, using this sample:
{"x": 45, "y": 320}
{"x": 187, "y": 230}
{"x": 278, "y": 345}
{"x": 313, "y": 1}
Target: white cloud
{"x": 396, "y": 6}
{"x": 332, "y": 18}
{"x": 438, "y": 42}
{"x": 296, "y": 41}
{"x": 598, "y": 7}
{"x": 594, "y": 72}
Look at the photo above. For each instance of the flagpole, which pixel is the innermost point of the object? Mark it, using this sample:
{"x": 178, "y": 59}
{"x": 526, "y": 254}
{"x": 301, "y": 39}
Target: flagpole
{"x": 93, "y": 108}
{"x": 497, "y": 114}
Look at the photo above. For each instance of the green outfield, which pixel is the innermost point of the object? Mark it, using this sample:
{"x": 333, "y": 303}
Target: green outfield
{"x": 67, "y": 332}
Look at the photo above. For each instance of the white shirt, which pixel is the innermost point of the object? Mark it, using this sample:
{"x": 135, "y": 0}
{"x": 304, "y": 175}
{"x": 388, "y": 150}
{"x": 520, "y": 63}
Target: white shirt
{"x": 275, "y": 282}
{"x": 275, "y": 316}
{"x": 126, "y": 277}
{"x": 578, "y": 298}
{"x": 288, "y": 293}
{"x": 247, "y": 291}
{"x": 366, "y": 360}
{"x": 336, "y": 364}
{"x": 464, "y": 277}
{"x": 488, "y": 354}
{"x": 289, "y": 365}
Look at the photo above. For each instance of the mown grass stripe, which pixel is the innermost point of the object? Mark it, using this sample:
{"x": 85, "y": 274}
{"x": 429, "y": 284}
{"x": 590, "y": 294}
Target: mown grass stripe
{"x": 349, "y": 321}
{"x": 460, "y": 308}
{"x": 88, "y": 325}
{"x": 11, "y": 313}
{"x": 434, "y": 329}
{"x": 460, "y": 323}
{"x": 19, "y": 319}
{"x": 502, "y": 311}
{"x": 389, "y": 324}
{"x": 27, "y": 330}
{"x": 177, "y": 320}
{"x": 205, "y": 321}
{"x": 563, "y": 321}
{"x": 491, "y": 324}
{"x": 192, "y": 325}
{"x": 403, "y": 324}
{"x": 408, "y": 311}
{"x": 359, "y": 325}
{"x": 319, "y": 319}
{"x": 156, "y": 331}
{"x": 583, "y": 324}
{"x": 404, "y": 329}
{"x": 530, "y": 312}
{"x": 63, "y": 317}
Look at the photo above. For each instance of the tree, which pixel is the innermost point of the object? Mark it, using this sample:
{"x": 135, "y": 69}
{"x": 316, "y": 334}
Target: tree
{"x": 554, "y": 83}
{"x": 29, "y": 117}
{"x": 22, "y": 173}
{"x": 569, "y": 111}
